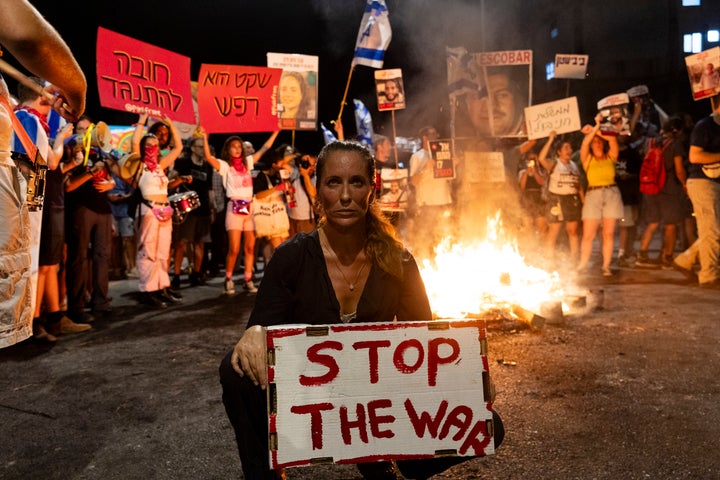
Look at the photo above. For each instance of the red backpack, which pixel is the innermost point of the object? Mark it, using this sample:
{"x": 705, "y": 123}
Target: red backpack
{"x": 652, "y": 170}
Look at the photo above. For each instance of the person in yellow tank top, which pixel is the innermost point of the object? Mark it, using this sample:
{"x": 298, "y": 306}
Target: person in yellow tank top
{"x": 603, "y": 203}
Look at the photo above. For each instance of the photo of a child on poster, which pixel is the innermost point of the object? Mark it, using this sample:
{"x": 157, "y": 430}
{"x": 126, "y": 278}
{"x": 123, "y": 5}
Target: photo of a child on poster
{"x": 298, "y": 90}
{"x": 390, "y": 89}
{"x": 494, "y": 91}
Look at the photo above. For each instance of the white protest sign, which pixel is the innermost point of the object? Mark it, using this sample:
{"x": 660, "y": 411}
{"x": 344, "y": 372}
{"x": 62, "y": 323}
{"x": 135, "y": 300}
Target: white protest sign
{"x": 563, "y": 116}
{"x": 570, "y": 65}
{"x": 351, "y": 393}
{"x": 484, "y": 167}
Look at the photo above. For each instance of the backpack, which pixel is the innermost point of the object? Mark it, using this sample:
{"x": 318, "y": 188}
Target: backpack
{"x": 652, "y": 169}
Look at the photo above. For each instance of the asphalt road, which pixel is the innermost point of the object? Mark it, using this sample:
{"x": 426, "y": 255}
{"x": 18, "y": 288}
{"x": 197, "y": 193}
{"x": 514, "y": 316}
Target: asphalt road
{"x": 629, "y": 391}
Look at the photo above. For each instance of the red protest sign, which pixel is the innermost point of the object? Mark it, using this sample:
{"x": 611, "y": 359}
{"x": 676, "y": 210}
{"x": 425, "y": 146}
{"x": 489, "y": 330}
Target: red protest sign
{"x": 134, "y": 76}
{"x": 235, "y": 98}
{"x": 351, "y": 393}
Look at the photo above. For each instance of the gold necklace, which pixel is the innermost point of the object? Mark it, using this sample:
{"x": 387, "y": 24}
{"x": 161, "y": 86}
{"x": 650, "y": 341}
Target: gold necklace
{"x": 336, "y": 262}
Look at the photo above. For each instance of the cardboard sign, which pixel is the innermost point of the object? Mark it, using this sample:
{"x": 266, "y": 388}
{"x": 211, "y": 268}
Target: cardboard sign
{"x": 704, "y": 73}
{"x": 484, "y": 167}
{"x": 235, "y": 98}
{"x": 563, "y": 116}
{"x": 571, "y": 66}
{"x": 137, "y": 77}
{"x": 351, "y": 393}
{"x": 441, "y": 154}
{"x": 298, "y": 90}
{"x": 390, "y": 89}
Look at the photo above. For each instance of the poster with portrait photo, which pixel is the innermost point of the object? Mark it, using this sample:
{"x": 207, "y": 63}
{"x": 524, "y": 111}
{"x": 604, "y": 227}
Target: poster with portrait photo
{"x": 390, "y": 89}
{"x": 704, "y": 73}
{"x": 495, "y": 88}
{"x": 298, "y": 90}
{"x": 615, "y": 112}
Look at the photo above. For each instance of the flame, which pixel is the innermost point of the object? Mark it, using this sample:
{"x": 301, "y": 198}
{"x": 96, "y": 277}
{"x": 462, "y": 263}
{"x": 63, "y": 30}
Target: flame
{"x": 466, "y": 278}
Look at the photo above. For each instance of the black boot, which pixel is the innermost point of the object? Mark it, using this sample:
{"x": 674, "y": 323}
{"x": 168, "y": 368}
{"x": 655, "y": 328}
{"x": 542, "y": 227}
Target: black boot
{"x": 153, "y": 299}
{"x": 169, "y": 297}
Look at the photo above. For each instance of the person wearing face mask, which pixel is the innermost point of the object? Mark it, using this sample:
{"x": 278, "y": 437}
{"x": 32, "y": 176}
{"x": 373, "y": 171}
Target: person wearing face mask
{"x": 155, "y": 225}
{"x": 234, "y": 168}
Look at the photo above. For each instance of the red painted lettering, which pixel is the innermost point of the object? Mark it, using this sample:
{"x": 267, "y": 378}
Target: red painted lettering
{"x": 434, "y": 358}
{"x": 460, "y": 417}
{"x": 314, "y": 356}
{"x": 472, "y": 441}
{"x": 376, "y": 420}
{"x": 424, "y": 421}
{"x": 372, "y": 346}
{"x": 316, "y": 425}
{"x": 346, "y": 424}
{"x": 399, "y": 356}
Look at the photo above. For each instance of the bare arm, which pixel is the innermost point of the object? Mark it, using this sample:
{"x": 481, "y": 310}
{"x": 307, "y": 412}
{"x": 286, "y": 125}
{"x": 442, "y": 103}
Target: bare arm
{"x": 139, "y": 132}
{"x": 542, "y": 156}
{"x": 700, "y": 156}
{"x": 266, "y": 146}
{"x": 177, "y": 149}
{"x": 212, "y": 159}
{"x": 40, "y": 48}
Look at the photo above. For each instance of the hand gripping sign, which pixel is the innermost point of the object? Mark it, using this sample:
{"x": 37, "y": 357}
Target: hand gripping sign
{"x": 352, "y": 393}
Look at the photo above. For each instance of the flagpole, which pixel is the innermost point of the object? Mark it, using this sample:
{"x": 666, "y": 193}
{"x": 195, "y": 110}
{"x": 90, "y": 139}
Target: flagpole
{"x": 347, "y": 87}
{"x": 394, "y": 138}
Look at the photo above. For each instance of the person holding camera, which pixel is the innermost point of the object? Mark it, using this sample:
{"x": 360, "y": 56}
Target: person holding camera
{"x": 33, "y": 111}
{"x": 39, "y": 48}
{"x": 302, "y": 178}
{"x": 532, "y": 179}
{"x": 89, "y": 222}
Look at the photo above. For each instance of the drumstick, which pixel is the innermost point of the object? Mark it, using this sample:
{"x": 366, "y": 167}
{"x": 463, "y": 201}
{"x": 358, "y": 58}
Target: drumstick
{"x": 22, "y": 78}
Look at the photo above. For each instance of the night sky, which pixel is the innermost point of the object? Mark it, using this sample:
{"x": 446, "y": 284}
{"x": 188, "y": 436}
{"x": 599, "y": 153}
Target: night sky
{"x": 241, "y": 32}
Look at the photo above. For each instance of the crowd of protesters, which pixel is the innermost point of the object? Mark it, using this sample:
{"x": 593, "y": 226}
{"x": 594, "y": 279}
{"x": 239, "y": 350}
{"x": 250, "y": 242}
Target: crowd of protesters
{"x": 154, "y": 216}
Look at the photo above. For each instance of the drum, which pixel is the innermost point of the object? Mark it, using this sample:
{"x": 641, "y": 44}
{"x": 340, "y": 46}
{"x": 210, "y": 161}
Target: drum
{"x": 183, "y": 203}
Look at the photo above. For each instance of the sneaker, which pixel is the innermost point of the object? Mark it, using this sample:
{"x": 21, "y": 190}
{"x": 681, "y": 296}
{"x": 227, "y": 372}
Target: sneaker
{"x": 688, "y": 272}
{"x": 250, "y": 286}
{"x": 606, "y": 272}
{"x": 68, "y": 326}
{"x": 714, "y": 284}
{"x": 666, "y": 263}
{"x": 624, "y": 262}
{"x": 644, "y": 261}
{"x": 229, "y": 287}
{"x": 175, "y": 283}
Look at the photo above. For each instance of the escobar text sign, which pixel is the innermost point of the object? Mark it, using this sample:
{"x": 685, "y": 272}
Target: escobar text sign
{"x": 352, "y": 393}
{"x": 137, "y": 77}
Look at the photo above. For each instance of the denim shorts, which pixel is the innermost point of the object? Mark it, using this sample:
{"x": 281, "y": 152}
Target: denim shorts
{"x": 603, "y": 202}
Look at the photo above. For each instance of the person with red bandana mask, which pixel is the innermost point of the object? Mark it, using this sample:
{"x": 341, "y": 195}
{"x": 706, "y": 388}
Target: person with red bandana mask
{"x": 155, "y": 225}
{"x": 234, "y": 167}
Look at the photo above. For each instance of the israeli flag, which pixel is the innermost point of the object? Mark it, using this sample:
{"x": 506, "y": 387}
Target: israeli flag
{"x": 328, "y": 136}
{"x": 374, "y": 35}
{"x": 363, "y": 122}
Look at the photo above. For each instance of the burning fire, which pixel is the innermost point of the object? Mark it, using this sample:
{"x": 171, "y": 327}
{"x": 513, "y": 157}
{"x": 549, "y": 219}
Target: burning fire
{"x": 471, "y": 278}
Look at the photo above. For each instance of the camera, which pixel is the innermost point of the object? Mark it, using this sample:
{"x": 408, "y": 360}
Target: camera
{"x": 304, "y": 163}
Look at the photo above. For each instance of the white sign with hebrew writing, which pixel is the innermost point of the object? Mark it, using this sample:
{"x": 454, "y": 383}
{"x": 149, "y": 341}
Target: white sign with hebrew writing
{"x": 570, "y": 65}
{"x": 562, "y": 116}
{"x": 364, "y": 392}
